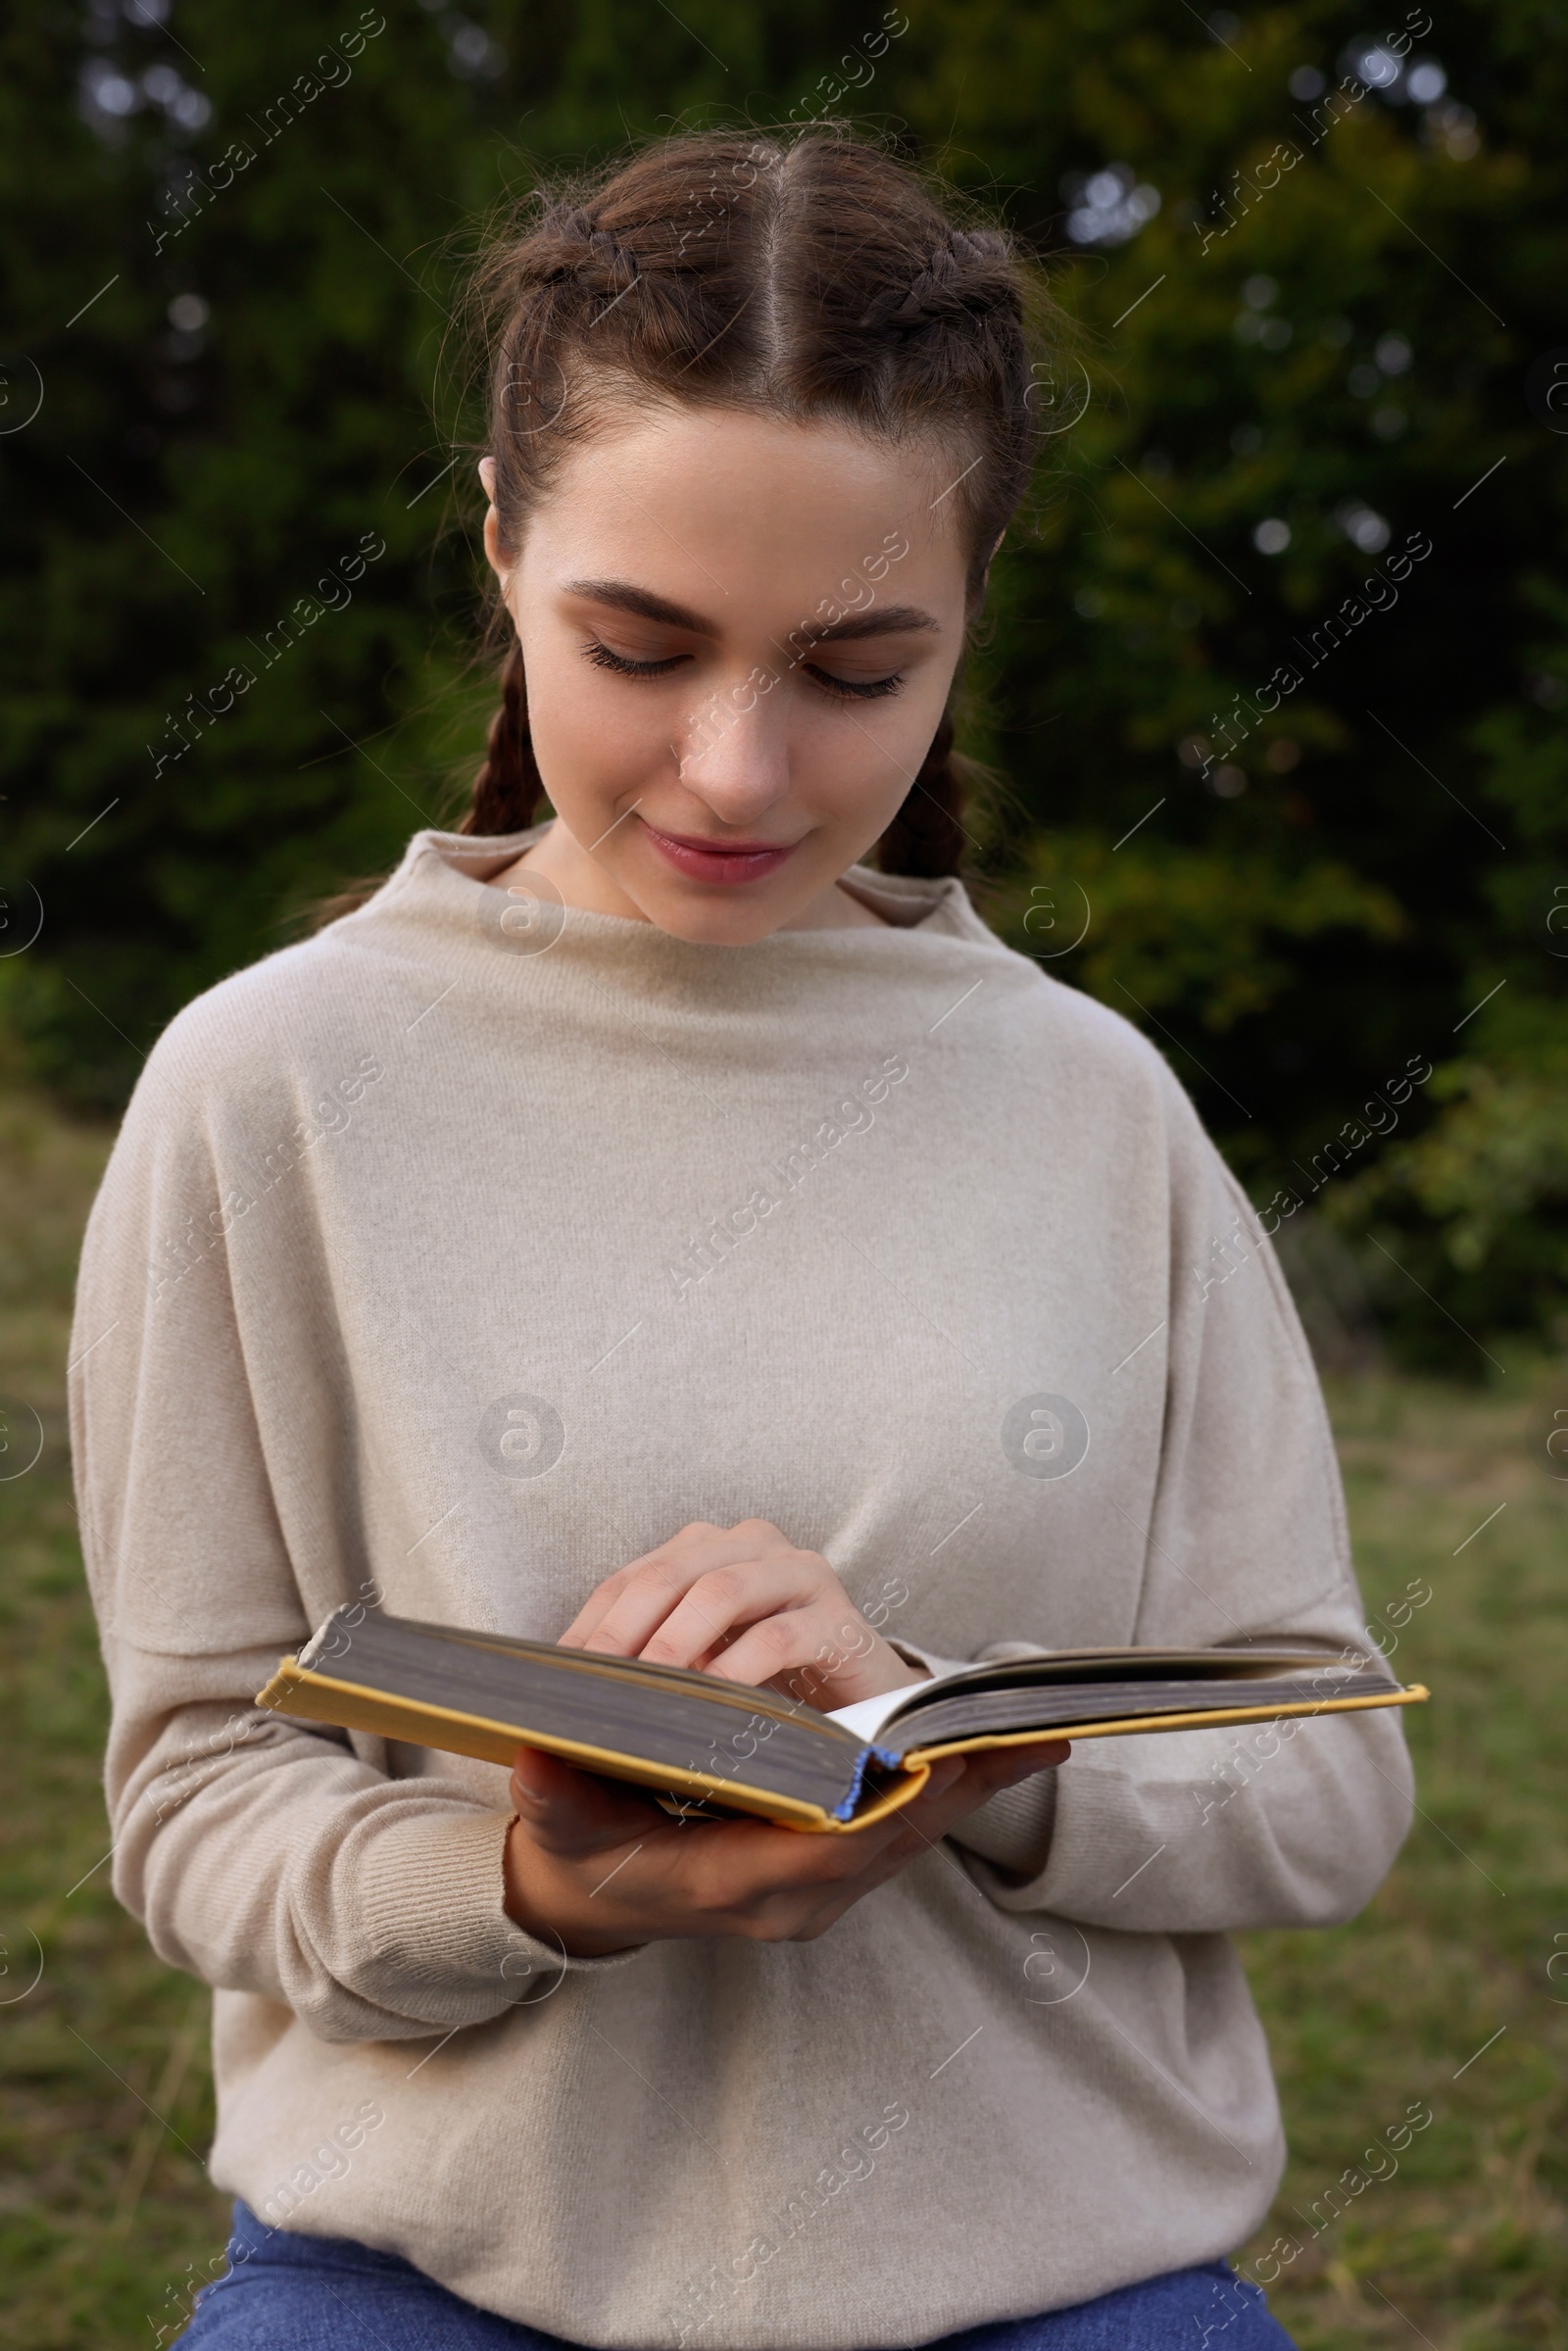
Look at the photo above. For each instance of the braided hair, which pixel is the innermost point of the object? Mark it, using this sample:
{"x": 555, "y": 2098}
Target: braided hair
{"x": 807, "y": 278}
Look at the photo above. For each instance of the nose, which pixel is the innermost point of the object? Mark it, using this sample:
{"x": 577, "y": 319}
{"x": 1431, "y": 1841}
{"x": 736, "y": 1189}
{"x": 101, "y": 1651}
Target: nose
{"x": 736, "y": 760}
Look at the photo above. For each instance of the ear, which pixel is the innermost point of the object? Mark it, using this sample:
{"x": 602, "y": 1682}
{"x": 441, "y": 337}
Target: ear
{"x": 498, "y": 554}
{"x": 496, "y": 550}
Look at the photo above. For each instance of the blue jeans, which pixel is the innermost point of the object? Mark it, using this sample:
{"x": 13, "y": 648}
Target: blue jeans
{"x": 288, "y": 2292}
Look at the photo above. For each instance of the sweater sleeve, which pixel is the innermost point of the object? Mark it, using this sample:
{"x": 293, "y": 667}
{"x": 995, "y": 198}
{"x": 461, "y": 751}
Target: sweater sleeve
{"x": 1293, "y": 1823}
{"x": 261, "y": 1854}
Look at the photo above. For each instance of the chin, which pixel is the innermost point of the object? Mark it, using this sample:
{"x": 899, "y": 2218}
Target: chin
{"x": 713, "y": 922}
{"x": 720, "y": 913}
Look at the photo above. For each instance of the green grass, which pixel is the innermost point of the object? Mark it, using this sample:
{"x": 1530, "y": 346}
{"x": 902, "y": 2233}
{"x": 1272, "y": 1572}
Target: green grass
{"x": 106, "y": 2216}
{"x": 1468, "y": 2240}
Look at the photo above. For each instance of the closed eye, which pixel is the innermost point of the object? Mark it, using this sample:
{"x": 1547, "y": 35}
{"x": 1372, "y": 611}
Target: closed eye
{"x": 852, "y": 690}
{"x": 603, "y": 658}
{"x": 842, "y": 689}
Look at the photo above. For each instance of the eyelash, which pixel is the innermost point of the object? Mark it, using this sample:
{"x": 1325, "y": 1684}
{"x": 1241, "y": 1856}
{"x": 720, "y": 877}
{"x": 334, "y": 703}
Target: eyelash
{"x": 843, "y": 690}
{"x": 603, "y": 658}
{"x": 839, "y": 688}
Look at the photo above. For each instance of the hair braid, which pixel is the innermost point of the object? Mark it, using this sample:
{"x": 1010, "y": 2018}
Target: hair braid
{"x": 507, "y": 789}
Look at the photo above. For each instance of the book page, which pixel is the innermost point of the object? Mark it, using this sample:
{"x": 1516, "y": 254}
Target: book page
{"x": 865, "y": 1719}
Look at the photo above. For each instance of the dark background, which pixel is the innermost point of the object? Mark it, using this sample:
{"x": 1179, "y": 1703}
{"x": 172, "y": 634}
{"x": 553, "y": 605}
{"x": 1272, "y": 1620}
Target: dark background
{"x": 209, "y": 399}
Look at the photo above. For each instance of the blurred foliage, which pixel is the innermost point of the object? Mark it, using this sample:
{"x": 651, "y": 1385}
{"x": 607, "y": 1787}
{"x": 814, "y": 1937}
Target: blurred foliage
{"x": 1326, "y": 330}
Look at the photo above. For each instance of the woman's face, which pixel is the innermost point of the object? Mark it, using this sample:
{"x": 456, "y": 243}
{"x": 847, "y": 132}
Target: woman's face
{"x": 738, "y": 636}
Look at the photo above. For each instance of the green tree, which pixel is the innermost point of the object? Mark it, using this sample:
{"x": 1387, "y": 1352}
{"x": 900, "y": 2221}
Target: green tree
{"x": 1273, "y": 672}
{"x": 1348, "y": 798}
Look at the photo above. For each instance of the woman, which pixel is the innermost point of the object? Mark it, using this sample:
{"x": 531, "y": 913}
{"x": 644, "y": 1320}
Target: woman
{"x": 662, "y": 1230}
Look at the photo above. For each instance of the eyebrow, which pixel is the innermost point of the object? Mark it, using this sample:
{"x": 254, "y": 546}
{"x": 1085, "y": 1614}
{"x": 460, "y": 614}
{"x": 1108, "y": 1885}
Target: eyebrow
{"x": 894, "y": 620}
{"x": 626, "y": 598}
{"x": 623, "y": 596}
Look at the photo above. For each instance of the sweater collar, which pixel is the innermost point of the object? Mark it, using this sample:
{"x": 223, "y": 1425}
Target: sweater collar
{"x": 444, "y": 879}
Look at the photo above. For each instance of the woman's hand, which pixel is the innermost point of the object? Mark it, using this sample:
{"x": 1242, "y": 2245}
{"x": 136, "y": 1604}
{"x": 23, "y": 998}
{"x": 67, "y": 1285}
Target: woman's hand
{"x": 742, "y": 1602}
{"x": 597, "y": 1868}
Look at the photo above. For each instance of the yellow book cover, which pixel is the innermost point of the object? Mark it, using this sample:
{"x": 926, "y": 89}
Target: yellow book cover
{"x": 695, "y": 1738}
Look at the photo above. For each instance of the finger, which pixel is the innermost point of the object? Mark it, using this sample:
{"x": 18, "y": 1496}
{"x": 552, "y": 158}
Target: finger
{"x": 935, "y": 1813}
{"x": 655, "y": 1585}
{"x": 593, "y": 1609}
{"x": 726, "y": 1600}
{"x": 957, "y": 1786}
{"x": 605, "y": 1594}
{"x": 573, "y": 1812}
{"x": 797, "y": 1886}
{"x": 865, "y": 1854}
{"x": 987, "y": 1771}
{"x": 800, "y": 1898}
{"x": 920, "y": 1827}
{"x": 779, "y": 1885}
{"x": 760, "y": 1872}
{"x": 678, "y": 1549}
{"x": 818, "y": 1642}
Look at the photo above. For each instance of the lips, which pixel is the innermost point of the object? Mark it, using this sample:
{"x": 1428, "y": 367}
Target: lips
{"x": 720, "y": 861}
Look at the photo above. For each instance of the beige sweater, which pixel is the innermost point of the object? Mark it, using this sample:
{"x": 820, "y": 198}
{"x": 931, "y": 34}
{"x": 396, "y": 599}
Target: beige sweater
{"x": 454, "y": 1258}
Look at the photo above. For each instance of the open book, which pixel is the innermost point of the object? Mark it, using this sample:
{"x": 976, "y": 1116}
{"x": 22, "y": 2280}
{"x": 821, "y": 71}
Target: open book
{"x": 697, "y": 1741}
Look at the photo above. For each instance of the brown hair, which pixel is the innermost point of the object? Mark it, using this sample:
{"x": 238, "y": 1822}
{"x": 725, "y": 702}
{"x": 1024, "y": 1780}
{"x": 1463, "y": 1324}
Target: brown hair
{"x": 809, "y": 276}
